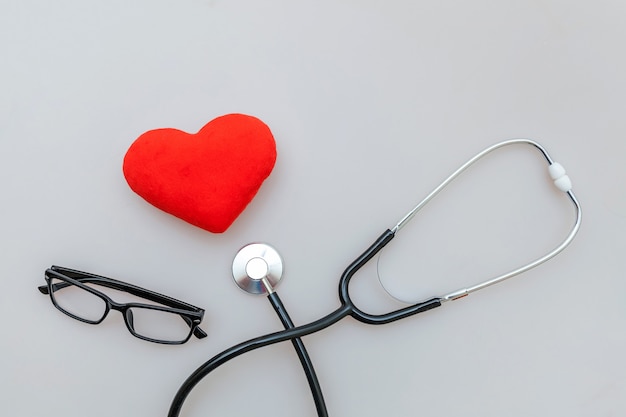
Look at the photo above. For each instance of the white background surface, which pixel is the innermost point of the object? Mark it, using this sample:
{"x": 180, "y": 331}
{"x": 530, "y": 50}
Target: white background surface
{"x": 371, "y": 103}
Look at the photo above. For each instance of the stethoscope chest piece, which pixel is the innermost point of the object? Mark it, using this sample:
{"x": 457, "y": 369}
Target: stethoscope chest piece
{"x": 257, "y": 268}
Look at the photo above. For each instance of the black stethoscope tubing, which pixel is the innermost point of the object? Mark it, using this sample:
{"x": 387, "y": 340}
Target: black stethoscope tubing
{"x": 303, "y": 355}
{"x": 347, "y": 308}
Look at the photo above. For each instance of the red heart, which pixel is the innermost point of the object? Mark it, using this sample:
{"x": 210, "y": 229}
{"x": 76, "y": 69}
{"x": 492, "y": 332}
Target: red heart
{"x": 207, "y": 178}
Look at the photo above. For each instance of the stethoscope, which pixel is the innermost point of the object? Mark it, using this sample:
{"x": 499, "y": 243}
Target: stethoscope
{"x": 257, "y": 268}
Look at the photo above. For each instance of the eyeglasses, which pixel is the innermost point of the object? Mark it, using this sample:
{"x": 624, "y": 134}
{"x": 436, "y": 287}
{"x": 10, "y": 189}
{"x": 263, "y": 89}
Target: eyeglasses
{"x": 75, "y": 294}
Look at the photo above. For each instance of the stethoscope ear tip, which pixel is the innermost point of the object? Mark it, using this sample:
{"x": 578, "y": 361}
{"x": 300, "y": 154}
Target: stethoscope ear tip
{"x": 257, "y": 268}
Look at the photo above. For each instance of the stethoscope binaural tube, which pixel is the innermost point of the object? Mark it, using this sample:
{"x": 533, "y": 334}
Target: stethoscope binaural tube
{"x": 561, "y": 182}
{"x": 347, "y": 308}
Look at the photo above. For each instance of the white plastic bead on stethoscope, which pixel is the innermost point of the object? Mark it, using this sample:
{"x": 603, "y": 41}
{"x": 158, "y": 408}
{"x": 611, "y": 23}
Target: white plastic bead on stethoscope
{"x": 561, "y": 180}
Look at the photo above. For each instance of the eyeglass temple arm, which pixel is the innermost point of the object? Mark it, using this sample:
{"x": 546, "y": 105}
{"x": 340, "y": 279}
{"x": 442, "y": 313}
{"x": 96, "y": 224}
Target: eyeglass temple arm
{"x": 45, "y": 290}
{"x": 123, "y": 286}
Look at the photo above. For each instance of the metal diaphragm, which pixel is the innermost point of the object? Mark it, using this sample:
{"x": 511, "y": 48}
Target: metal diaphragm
{"x": 257, "y": 268}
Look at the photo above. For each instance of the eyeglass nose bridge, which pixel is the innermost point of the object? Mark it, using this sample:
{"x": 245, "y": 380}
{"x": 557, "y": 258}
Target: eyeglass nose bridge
{"x": 127, "y": 315}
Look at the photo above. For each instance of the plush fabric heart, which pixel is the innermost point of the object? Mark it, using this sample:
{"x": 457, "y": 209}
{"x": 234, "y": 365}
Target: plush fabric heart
{"x": 207, "y": 178}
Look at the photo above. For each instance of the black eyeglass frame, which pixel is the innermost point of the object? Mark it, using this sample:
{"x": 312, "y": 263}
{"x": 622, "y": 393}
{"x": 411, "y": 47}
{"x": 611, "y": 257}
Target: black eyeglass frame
{"x": 191, "y": 314}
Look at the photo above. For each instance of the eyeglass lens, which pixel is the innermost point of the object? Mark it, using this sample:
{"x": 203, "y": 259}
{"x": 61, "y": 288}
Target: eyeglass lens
{"x": 78, "y": 302}
{"x": 158, "y": 324}
{"x": 144, "y": 322}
